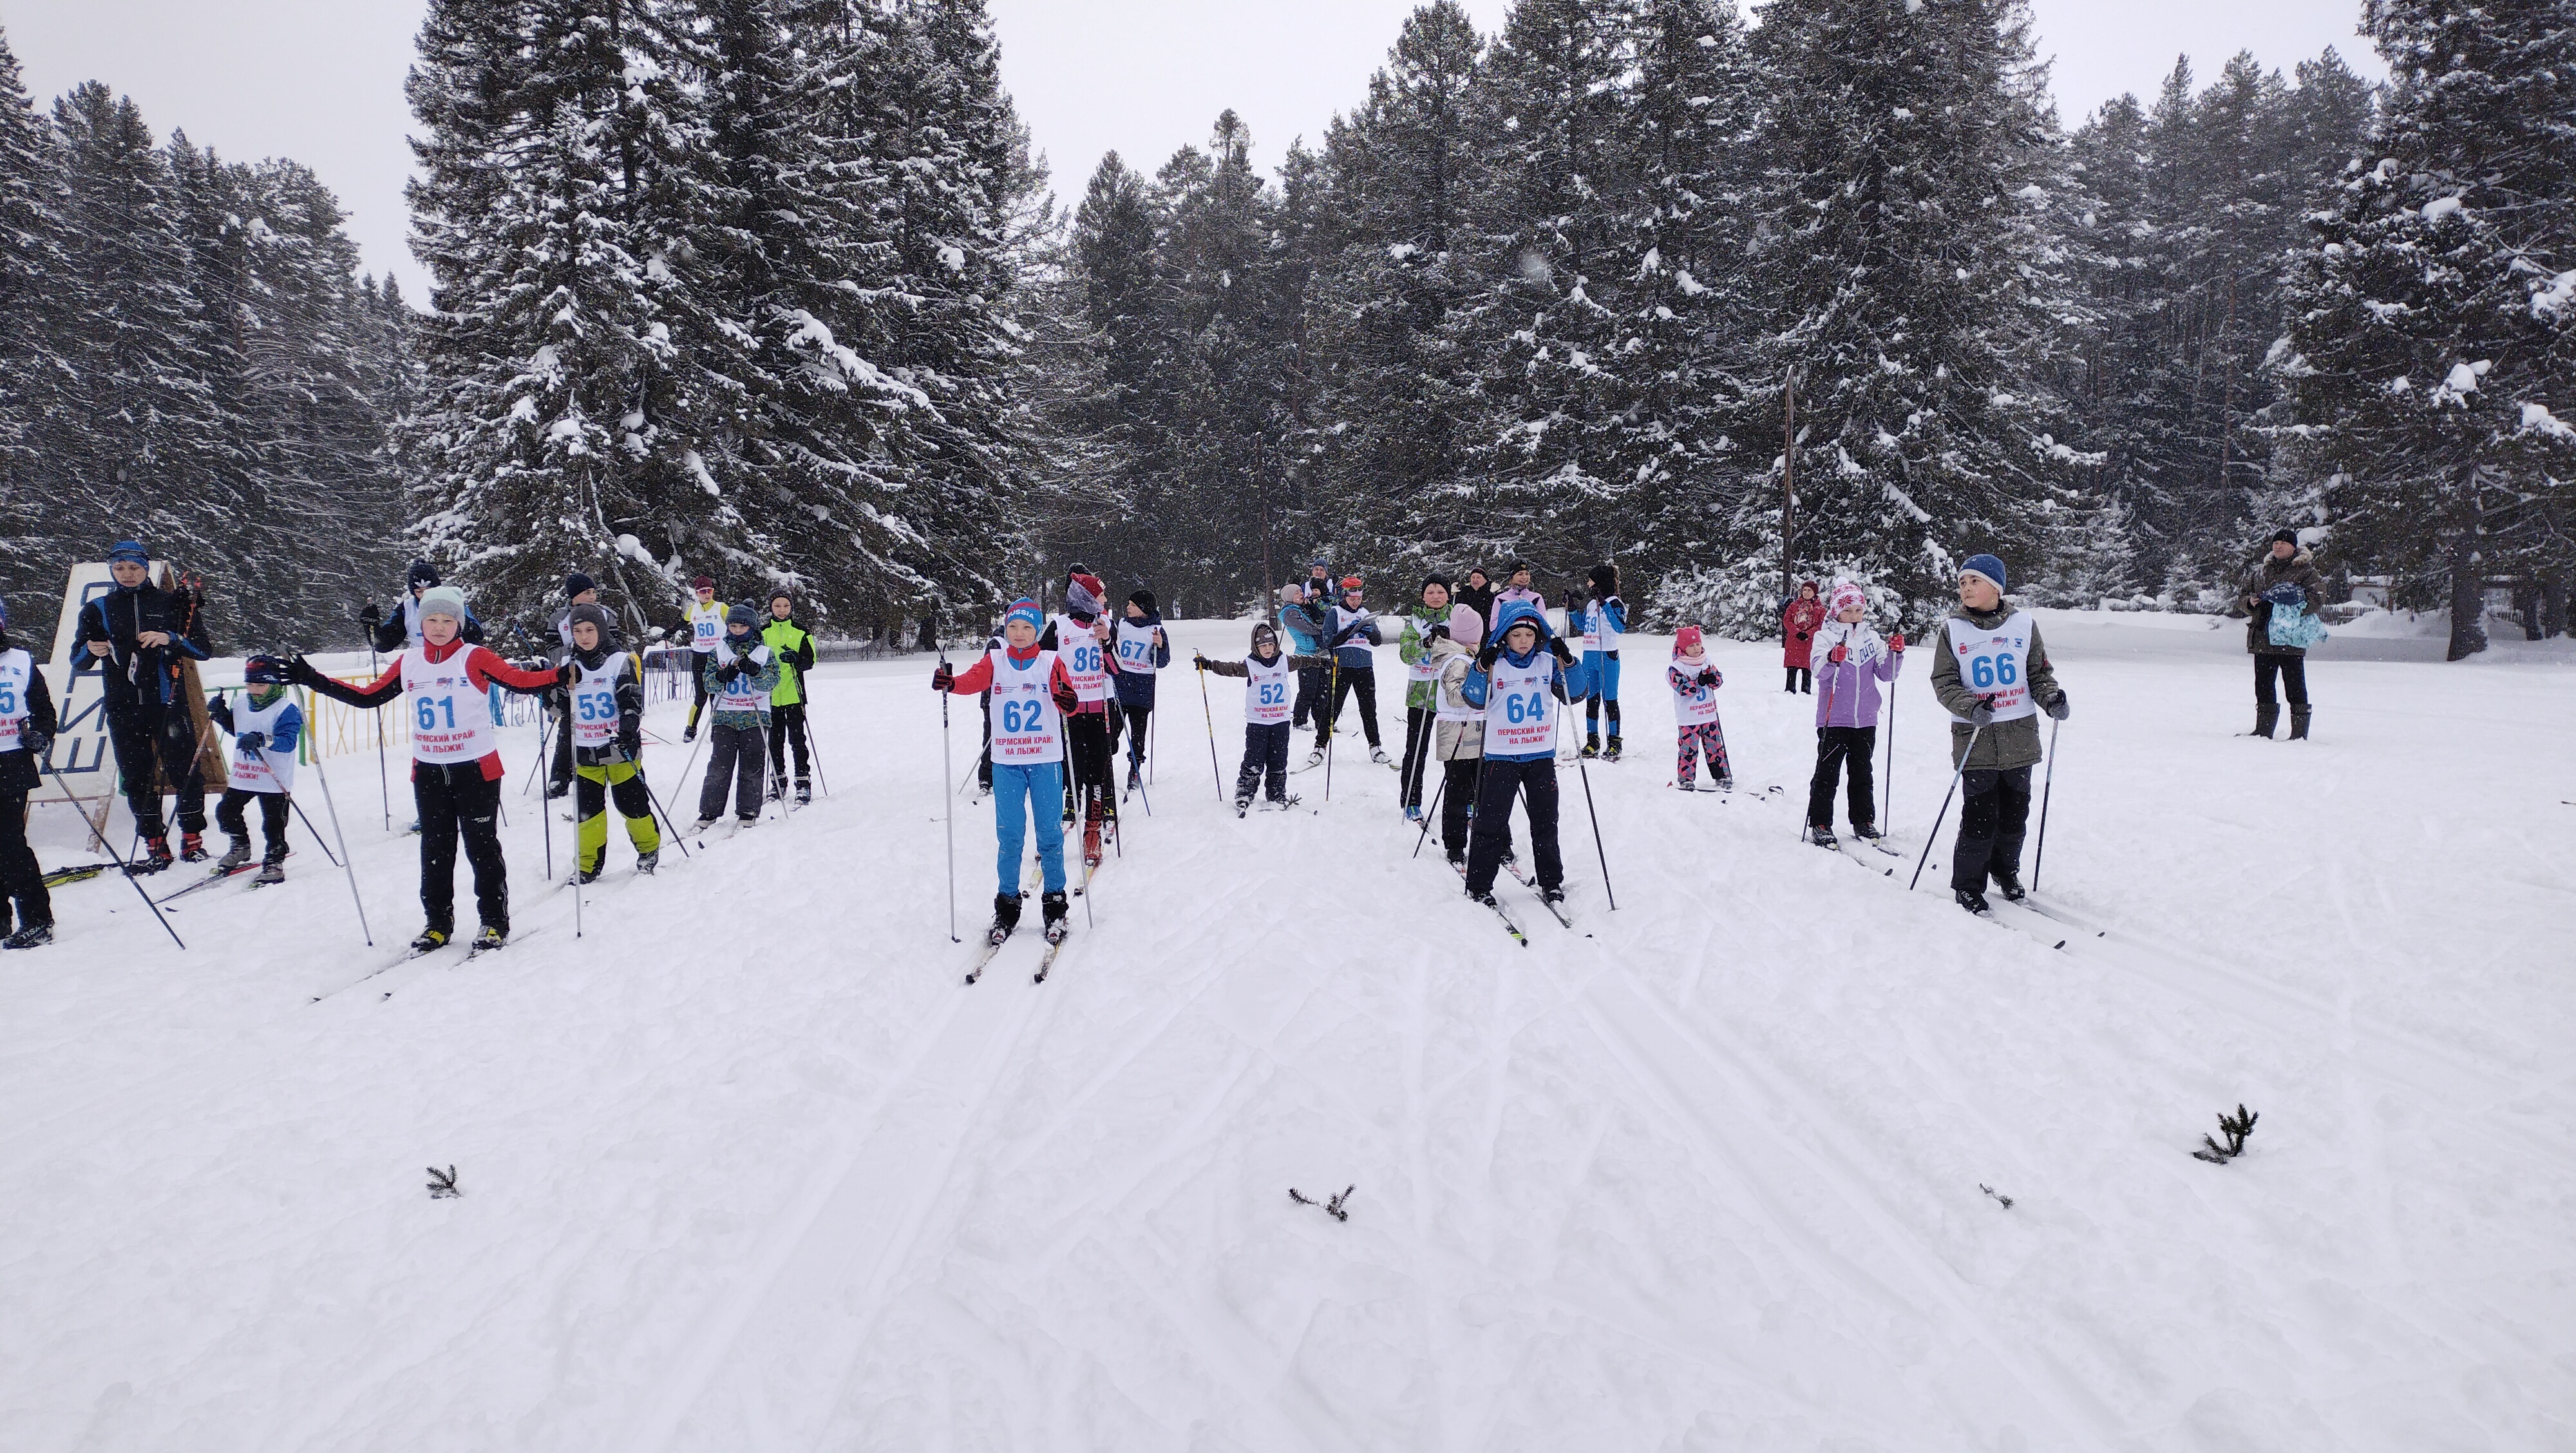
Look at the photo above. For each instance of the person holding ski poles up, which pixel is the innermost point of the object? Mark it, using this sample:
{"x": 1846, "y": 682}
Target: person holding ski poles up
{"x": 1993, "y": 676}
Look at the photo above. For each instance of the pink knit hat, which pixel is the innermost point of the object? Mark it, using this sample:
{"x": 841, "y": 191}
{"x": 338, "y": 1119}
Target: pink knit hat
{"x": 1686, "y": 641}
{"x": 1845, "y": 596}
{"x": 1465, "y": 626}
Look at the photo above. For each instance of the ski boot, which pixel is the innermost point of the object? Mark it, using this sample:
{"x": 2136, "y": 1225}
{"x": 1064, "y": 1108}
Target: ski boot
{"x": 1725, "y": 784}
{"x": 746, "y": 820}
{"x": 1973, "y": 901}
{"x": 154, "y": 857}
{"x": 1281, "y": 804}
{"x": 1091, "y": 840}
{"x": 1132, "y": 765}
{"x": 1379, "y": 756}
{"x": 586, "y": 876}
{"x": 690, "y": 735}
{"x": 1457, "y": 857}
{"x": 1242, "y": 805}
{"x": 777, "y": 788}
{"x": 235, "y": 856}
{"x": 1314, "y": 759}
{"x": 491, "y": 936}
{"x": 272, "y": 870}
{"x": 431, "y": 938}
{"x": 192, "y": 847}
{"x": 1413, "y": 812}
{"x": 701, "y": 825}
{"x": 1610, "y": 753}
{"x": 2008, "y": 883}
{"x": 33, "y": 935}
{"x": 1591, "y": 746}
{"x": 1052, "y": 907}
{"x": 1551, "y": 896}
{"x": 645, "y": 863}
{"x": 1006, "y": 917}
{"x": 804, "y": 791}
{"x": 1822, "y": 836}
{"x": 1868, "y": 832}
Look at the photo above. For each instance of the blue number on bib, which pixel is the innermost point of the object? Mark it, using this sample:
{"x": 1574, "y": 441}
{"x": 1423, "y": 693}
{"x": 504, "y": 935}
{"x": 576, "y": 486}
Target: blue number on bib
{"x": 427, "y": 712}
{"x": 1086, "y": 658}
{"x": 2005, "y": 669}
{"x": 1524, "y": 706}
{"x": 8, "y": 699}
{"x": 1273, "y": 692}
{"x": 1022, "y": 716}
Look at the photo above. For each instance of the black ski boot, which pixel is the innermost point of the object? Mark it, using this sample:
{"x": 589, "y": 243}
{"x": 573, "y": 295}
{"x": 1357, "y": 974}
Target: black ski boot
{"x": 154, "y": 857}
{"x": 1591, "y": 746}
{"x": 1822, "y": 836}
{"x": 2266, "y": 717}
{"x": 645, "y": 863}
{"x": 1242, "y": 805}
{"x": 1973, "y": 901}
{"x": 2298, "y": 723}
{"x": 1610, "y": 753}
{"x": 804, "y": 791}
{"x": 235, "y": 856}
{"x": 2008, "y": 883}
{"x": 1457, "y": 857}
{"x": 587, "y": 876}
{"x": 1006, "y": 917}
{"x": 272, "y": 869}
{"x": 34, "y": 935}
{"x": 192, "y": 847}
{"x": 1052, "y": 906}
{"x": 431, "y": 938}
{"x": 492, "y": 936}
{"x": 1551, "y": 895}
{"x": 1868, "y": 832}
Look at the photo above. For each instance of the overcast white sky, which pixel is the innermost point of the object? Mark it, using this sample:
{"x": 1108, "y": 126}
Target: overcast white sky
{"x": 321, "y": 80}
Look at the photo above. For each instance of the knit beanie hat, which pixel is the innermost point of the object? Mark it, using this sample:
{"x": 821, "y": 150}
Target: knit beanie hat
{"x": 1351, "y": 582}
{"x": 592, "y": 614}
{"x": 576, "y": 583}
{"x": 1465, "y": 626}
{"x": 1988, "y": 567}
{"x": 1438, "y": 579}
{"x": 1845, "y": 596}
{"x": 1025, "y": 609}
{"x": 1261, "y": 632}
{"x": 264, "y": 671}
{"x": 443, "y": 600}
{"x": 703, "y": 582}
{"x": 1143, "y": 598}
{"x": 1687, "y": 642}
{"x": 1605, "y": 580}
{"x": 1083, "y": 595}
{"x": 741, "y": 613}
{"x": 422, "y": 574}
{"x": 2286, "y": 537}
{"x": 1291, "y": 595}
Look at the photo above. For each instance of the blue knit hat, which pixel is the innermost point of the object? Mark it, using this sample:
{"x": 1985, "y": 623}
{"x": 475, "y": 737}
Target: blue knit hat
{"x": 1025, "y": 609}
{"x": 128, "y": 552}
{"x": 1989, "y": 567}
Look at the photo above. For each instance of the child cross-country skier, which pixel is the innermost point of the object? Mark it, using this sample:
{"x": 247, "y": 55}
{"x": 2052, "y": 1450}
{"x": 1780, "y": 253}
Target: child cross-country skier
{"x": 1520, "y": 676}
{"x": 739, "y": 675}
{"x": 793, "y": 648}
{"x": 1031, "y": 692}
{"x": 607, "y": 728}
{"x": 455, "y": 758}
{"x": 27, "y": 727}
{"x": 1079, "y": 635}
{"x": 1427, "y": 621}
{"x": 1993, "y": 675}
{"x": 1354, "y": 671}
{"x": 1267, "y": 675}
{"x": 1605, "y": 622}
{"x": 704, "y": 626}
{"x": 1851, "y": 661}
{"x": 265, "y": 732}
{"x": 1458, "y": 732}
{"x": 1142, "y": 651}
{"x": 1694, "y": 682}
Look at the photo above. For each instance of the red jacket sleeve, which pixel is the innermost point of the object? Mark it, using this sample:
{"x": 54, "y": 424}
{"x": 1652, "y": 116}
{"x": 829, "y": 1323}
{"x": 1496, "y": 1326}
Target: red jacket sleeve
{"x": 485, "y": 668}
{"x": 975, "y": 679}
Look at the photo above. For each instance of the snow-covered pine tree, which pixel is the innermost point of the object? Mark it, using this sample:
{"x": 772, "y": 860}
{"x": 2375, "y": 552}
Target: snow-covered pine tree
{"x": 1916, "y": 287}
{"x": 581, "y": 374}
{"x": 1106, "y": 349}
{"x": 34, "y": 371}
{"x": 2432, "y": 334}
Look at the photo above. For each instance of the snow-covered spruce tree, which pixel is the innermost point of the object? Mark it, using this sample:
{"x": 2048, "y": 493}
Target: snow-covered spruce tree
{"x": 1392, "y": 410}
{"x": 1915, "y": 284}
{"x": 1106, "y": 349}
{"x": 579, "y": 370}
{"x": 2431, "y": 351}
{"x": 34, "y": 371}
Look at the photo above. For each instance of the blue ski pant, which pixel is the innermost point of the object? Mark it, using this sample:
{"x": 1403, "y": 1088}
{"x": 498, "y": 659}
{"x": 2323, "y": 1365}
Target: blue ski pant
{"x": 1020, "y": 794}
{"x": 1601, "y": 672}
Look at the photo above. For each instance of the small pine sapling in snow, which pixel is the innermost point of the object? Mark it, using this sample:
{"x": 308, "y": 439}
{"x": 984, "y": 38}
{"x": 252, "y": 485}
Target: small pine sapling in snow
{"x": 2235, "y": 1130}
{"x": 2005, "y": 1200}
{"x": 442, "y": 1184}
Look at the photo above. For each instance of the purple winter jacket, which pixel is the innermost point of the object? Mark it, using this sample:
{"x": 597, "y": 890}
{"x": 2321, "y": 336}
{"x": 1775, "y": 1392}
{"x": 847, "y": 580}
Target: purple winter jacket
{"x": 1847, "y": 695}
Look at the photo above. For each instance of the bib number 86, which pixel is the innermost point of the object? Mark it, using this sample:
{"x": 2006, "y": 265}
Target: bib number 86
{"x": 1987, "y": 672}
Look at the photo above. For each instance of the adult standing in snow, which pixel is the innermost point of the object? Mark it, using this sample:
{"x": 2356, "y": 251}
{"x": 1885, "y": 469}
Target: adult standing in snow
{"x": 1852, "y": 661}
{"x": 1142, "y": 651}
{"x": 455, "y": 758}
{"x": 1354, "y": 639}
{"x": 1993, "y": 676}
{"x": 1423, "y": 625}
{"x": 1304, "y": 621}
{"x": 703, "y": 627}
{"x": 1520, "y": 678}
{"x": 2285, "y": 579}
{"x": 1478, "y": 595}
{"x": 1519, "y": 589}
{"x": 1031, "y": 692}
{"x": 400, "y": 630}
{"x": 793, "y": 648}
{"x": 1798, "y": 622}
{"x": 27, "y": 727}
{"x": 136, "y": 636}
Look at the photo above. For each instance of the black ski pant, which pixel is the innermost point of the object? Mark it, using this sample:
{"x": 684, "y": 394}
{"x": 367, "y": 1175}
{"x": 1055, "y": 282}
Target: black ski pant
{"x": 1836, "y": 746}
{"x": 457, "y": 801}
{"x": 156, "y": 750}
{"x": 698, "y": 684}
{"x": 984, "y": 763}
{"x": 272, "y": 819}
{"x": 1800, "y": 678}
{"x": 1533, "y": 779}
{"x": 20, "y": 878}
{"x": 1418, "y": 737}
{"x": 1135, "y": 721}
{"x": 733, "y": 766}
{"x": 1310, "y": 690}
{"x": 2293, "y": 671}
{"x": 1458, "y": 806}
{"x": 1265, "y": 750}
{"x": 559, "y": 771}
{"x": 786, "y": 733}
{"x": 1992, "y": 819}
{"x": 1087, "y": 743}
{"x": 1346, "y": 681}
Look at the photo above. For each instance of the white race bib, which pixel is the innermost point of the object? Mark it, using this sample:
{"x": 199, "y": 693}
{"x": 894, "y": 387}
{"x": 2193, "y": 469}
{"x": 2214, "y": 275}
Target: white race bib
{"x": 1442, "y": 710}
{"x": 1267, "y": 689}
{"x": 742, "y": 693}
{"x": 1027, "y": 728}
{"x": 451, "y": 717}
{"x": 1423, "y": 667}
{"x": 268, "y": 770}
{"x": 1136, "y": 649}
{"x": 706, "y": 625}
{"x": 594, "y": 704}
{"x": 1082, "y": 660}
{"x": 1520, "y": 709}
{"x": 1693, "y": 703}
{"x": 1996, "y": 663}
{"x": 14, "y": 668}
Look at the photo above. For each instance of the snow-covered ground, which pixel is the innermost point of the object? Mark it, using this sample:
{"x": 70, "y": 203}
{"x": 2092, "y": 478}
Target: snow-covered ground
{"x": 746, "y": 1168}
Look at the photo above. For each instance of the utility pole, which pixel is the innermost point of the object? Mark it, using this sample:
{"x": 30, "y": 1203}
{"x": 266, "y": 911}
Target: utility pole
{"x": 1788, "y": 487}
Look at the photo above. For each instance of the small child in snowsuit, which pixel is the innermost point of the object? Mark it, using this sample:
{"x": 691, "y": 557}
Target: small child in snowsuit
{"x": 264, "y": 735}
{"x": 1850, "y": 661}
{"x": 1266, "y": 675}
{"x": 1604, "y": 621}
{"x": 607, "y": 729}
{"x": 1695, "y": 681}
{"x": 1458, "y": 732}
{"x": 740, "y": 673}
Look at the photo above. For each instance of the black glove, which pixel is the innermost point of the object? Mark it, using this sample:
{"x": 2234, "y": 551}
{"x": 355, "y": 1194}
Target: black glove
{"x": 1802, "y": 635}
{"x": 1485, "y": 658}
{"x": 1558, "y": 648}
{"x": 1708, "y": 676}
{"x": 1983, "y": 713}
{"x": 566, "y": 675}
{"x": 219, "y": 710}
{"x": 1199, "y": 659}
{"x": 252, "y": 742}
{"x": 301, "y": 672}
{"x": 1437, "y": 633}
{"x": 729, "y": 670}
{"x": 36, "y": 744}
{"x": 2057, "y": 707}
{"x": 371, "y": 615}
{"x": 1066, "y": 698}
{"x": 942, "y": 678}
{"x": 630, "y": 745}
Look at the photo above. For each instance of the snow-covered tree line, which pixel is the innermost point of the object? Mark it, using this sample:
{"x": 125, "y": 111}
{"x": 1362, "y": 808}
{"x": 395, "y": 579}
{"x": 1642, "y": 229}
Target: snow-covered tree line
{"x": 1556, "y": 291}
{"x": 722, "y": 287}
{"x": 188, "y": 355}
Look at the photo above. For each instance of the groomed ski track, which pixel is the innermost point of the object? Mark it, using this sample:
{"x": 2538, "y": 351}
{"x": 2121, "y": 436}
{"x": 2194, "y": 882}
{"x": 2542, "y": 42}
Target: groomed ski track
{"x": 747, "y": 1167}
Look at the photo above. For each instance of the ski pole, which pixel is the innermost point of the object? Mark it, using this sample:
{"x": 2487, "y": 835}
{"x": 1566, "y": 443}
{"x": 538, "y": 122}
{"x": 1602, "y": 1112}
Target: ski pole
{"x": 949, "y": 813}
{"x": 1804, "y": 827}
{"x": 814, "y": 741}
{"x": 1209, "y": 713}
{"x": 1955, "y": 774}
{"x": 1585, "y": 772}
{"x": 667, "y": 825}
{"x": 304, "y": 818}
{"x": 1887, "y": 790}
{"x": 348, "y": 864}
{"x": 45, "y": 765}
{"x": 384, "y": 782}
{"x": 545, "y": 812}
{"x": 2040, "y": 853}
{"x": 1431, "y": 816}
{"x": 1332, "y": 709}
